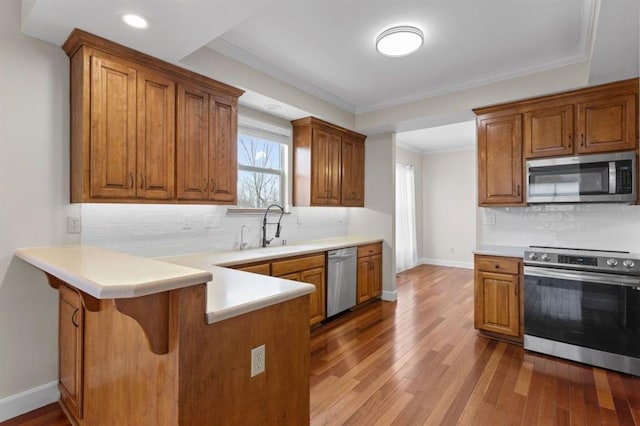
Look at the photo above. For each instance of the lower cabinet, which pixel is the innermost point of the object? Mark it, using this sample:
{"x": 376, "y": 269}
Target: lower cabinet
{"x": 498, "y": 297}
{"x": 255, "y": 268}
{"x": 369, "y": 282}
{"x": 71, "y": 347}
{"x": 310, "y": 270}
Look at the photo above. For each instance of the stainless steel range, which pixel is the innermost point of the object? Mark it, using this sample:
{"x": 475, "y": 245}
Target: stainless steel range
{"x": 583, "y": 305}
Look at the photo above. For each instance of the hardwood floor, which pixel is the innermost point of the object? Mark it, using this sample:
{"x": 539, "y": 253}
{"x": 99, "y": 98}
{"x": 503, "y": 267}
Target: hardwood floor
{"x": 419, "y": 361}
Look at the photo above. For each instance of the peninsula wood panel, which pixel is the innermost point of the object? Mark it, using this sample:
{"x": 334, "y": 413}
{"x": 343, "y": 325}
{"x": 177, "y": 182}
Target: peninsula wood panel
{"x": 500, "y": 160}
{"x": 71, "y": 345}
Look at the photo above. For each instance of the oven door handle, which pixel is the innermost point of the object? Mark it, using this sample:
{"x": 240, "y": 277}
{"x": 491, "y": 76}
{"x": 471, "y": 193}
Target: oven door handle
{"x": 594, "y": 277}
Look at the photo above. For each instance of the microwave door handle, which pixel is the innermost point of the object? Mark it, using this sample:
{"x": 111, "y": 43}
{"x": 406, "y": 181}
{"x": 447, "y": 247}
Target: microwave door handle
{"x": 612, "y": 177}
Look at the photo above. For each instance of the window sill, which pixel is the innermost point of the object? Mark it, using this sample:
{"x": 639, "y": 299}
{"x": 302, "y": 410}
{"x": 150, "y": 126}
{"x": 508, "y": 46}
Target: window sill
{"x": 254, "y": 212}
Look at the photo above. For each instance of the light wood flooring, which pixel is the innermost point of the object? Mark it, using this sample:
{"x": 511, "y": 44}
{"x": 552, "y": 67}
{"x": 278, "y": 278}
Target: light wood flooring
{"x": 419, "y": 361}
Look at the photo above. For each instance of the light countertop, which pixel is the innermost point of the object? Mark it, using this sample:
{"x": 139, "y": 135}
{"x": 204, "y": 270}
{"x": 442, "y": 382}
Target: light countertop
{"x": 106, "y": 274}
{"x": 495, "y": 250}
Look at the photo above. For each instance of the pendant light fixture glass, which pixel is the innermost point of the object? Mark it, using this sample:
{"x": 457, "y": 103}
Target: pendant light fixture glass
{"x": 399, "y": 41}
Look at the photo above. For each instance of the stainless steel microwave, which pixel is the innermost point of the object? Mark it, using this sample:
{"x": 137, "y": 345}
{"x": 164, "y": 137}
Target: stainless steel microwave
{"x": 596, "y": 178}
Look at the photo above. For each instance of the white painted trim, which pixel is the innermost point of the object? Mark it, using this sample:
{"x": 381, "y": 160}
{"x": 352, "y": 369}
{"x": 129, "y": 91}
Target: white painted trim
{"x": 23, "y": 402}
{"x": 389, "y": 296}
{"x": 451, "y": 263}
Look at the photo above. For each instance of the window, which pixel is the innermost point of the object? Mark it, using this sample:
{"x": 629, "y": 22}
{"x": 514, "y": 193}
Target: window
{"x": 262, "y": 160}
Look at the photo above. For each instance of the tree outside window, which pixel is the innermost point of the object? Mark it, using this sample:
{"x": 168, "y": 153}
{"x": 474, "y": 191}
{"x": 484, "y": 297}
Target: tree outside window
{"x": 260, "y": 172}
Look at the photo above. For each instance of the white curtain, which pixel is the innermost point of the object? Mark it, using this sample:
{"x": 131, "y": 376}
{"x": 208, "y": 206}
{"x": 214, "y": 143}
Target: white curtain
{"x": 406, "y": 246}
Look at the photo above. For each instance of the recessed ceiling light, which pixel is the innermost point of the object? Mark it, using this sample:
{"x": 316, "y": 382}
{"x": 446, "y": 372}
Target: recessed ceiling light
{"x": 399, "y": 41}
{"x": 135, "y": 21}
{"x": 272, "y": 107}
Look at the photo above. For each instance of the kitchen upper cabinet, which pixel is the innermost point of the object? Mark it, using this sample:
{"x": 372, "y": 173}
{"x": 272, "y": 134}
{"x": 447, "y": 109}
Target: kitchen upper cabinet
{"x": 206, "y": 148}
{"x": 369, "y": 272}
{"x": 352, "y": 172}
{"x": 328, "y": 163}
{"x": 498, "y": 300}
{"x": 608, "y": 124}
{"x": 548, "y": 131}
{"x": 500, "y": 179}
{"x": 155, "y": 144}
{"x": 143, "y": 130}
{"x": 112, "y": 133}
{"x": 71, "y": 350}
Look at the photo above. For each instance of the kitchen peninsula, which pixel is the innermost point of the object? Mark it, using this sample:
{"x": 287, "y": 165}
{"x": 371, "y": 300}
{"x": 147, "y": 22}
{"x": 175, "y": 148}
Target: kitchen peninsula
{"x": 168, "y": 341}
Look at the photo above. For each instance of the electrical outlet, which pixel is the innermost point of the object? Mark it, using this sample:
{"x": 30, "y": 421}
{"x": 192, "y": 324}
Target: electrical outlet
{"x": 74, "y": 225}
{"x": 489, "y": 219}
{"x": 257, "y": 360}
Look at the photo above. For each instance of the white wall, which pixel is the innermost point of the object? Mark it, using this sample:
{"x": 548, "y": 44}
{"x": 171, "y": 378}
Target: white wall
{"x": 406, "y": 155}
{"x": 34, "y": 181}
{"x": 377, "y": 217}
{"x": 594, "y": 226}
{"x": 449, "y": 204}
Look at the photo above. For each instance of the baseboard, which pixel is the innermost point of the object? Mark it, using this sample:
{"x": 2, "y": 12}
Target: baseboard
{"x": 451, "y": 263}
{"x": 23, "y": 402}
{"x": 389, "y": 296}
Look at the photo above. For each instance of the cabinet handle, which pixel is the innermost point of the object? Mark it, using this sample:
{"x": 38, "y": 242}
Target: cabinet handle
{"x": 497, "y": 266}
{"x": 570, "y": 137}
{"x": 518, "y": 189}
{"x": 213, "y": 186}
{"x": 73, "y": 318}
{"x": 141, "y": 181}
{"x": 130, "y": 180}
{"x": 206, "y": 184}
{"x": 582, "y": 140}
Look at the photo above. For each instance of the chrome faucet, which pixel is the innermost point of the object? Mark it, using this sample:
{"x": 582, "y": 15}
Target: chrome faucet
{"x": 266, "y": 242}
{"x": 243, "y": 245}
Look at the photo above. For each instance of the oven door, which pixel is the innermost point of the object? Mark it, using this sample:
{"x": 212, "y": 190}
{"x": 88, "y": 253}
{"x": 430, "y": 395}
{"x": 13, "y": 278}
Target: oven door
{"x": 583, "y": 310}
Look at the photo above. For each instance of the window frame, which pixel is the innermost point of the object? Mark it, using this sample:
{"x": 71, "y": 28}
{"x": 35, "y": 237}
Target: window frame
{"x": 284, "y": 142}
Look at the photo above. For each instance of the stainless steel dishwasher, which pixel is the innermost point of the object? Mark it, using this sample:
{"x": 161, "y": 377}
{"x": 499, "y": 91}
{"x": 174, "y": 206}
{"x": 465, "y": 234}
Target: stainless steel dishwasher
{"x": 341, "y": 280}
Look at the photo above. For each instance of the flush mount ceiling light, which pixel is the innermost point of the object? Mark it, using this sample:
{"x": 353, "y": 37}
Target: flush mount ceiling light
{"x": 273, "y": 107}
{"x": 135, "y": 21}
{"x": 399, "y": 41}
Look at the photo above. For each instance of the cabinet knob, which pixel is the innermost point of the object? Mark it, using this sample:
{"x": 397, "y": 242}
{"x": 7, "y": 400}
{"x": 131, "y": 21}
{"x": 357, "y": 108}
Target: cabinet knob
{"x": 497, "y": 266}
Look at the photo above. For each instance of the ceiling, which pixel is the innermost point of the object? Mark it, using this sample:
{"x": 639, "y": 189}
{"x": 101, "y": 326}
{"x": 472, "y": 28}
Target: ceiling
{"x": 326, "y": 47}
{"x": 449, "y": 137}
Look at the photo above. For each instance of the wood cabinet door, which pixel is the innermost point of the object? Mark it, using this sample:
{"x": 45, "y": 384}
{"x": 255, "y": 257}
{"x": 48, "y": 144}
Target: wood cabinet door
{"x": 317, "y": 302}
{"x": 156, "y": 136}
{"x": 261, "y": 268}
{"x": 607, "y": 124}
{"x": 352, "y": 191}
{"x": 363, "y": 286}
{"x": 325, "y": 168}
{"x": 192, "y": 153}
{"x": 548, "y": 131}
{"x": 500, "y": 180}
{"x": 376, "y": 276}
{"x": 71, "y": 349}
{"x": 223, "y": 167}
{"x": 113, "y": 128}
{"x": 496, "y": 303}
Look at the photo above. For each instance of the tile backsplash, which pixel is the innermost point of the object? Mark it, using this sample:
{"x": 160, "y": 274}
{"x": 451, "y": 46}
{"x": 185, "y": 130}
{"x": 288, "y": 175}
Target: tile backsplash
{"x": 594, "y": 226}
{"x": 169, "y": 230}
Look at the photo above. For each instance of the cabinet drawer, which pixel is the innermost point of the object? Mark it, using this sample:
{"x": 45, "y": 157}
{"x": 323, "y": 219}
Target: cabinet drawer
{"x": 507, "y": 265}
{"x": 256, "y": 268}
{"x": 299, "y": 264}
{"x": 369, "y": 249}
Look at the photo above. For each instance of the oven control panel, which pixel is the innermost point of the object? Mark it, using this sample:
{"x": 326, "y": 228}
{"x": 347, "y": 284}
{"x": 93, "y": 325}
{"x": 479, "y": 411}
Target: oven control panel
{"x": 593, "y": 260}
